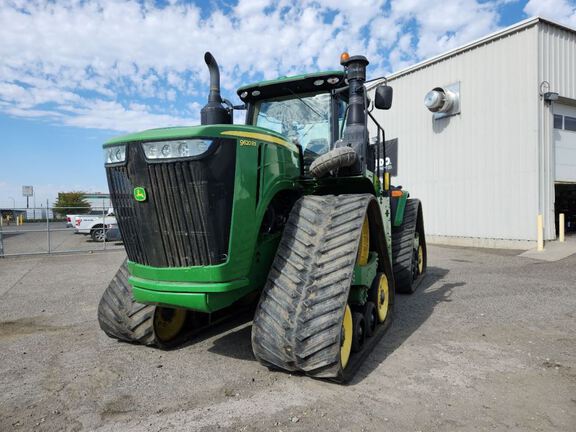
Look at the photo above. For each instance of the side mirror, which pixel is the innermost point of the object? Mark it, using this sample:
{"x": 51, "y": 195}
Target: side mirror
{"x": 383, "y": 97}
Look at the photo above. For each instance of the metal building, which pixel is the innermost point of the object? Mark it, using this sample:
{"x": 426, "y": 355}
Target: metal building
{"x": 501, "y": 147}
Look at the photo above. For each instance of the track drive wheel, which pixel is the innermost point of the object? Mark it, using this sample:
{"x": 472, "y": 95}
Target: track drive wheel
{"x": 303, "y": 322}
{"x": 120, "y": 317}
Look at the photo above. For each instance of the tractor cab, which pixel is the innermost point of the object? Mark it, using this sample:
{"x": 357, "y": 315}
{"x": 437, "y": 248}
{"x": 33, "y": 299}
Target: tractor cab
{"x": 307, "y": 109}
{"x": 321, "y": 111}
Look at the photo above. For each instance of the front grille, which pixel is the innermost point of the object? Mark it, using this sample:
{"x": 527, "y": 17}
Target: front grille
{"x": 186, "y": 218}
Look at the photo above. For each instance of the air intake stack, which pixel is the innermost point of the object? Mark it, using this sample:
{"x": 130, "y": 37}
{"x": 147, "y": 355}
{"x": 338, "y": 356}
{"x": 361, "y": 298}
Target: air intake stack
{"x": 214, "y": 112}
{"x": 356, "y": 132}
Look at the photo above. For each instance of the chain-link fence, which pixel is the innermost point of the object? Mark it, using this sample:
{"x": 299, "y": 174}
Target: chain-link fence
{"x": 45, "y": 230}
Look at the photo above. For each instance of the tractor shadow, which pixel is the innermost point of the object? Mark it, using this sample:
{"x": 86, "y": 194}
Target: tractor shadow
{"x": 236, "y": 344}
{"x": 411, "y": 312}
{"x": 235, "y": 341}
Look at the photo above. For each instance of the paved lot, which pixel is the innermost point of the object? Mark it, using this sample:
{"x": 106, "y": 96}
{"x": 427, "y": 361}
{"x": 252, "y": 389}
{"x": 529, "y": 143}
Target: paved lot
{"x": 32, "y": 238}
{"x": 489, "y": 343}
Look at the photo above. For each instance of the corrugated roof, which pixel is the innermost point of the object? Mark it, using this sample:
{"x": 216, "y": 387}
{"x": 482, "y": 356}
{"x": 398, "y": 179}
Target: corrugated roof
{"x": 522, "y": 25}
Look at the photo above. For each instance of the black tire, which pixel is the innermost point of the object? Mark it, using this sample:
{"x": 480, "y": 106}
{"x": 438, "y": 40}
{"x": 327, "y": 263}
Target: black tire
{"x": 403, "y": 250}
{"x": 370, "y": 318}
{"x": 359, "y": 326}
{"x": 298, "y": 321}
{"x": 120, "y": 317}
{"x": 336, "y": 158}
{"x": 98, "y": 234}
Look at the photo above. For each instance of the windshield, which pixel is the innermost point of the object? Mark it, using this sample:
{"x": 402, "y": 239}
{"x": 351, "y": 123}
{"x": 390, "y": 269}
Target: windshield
{"x": 304, "y": 119}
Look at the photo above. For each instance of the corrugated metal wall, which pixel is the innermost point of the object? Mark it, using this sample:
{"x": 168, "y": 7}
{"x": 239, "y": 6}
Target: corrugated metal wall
{"x": 477, "y": 172}
{"x": 557, "y": 66}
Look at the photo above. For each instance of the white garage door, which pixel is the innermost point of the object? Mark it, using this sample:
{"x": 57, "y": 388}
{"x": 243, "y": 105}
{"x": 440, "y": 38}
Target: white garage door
{"x": 565, "y": 142}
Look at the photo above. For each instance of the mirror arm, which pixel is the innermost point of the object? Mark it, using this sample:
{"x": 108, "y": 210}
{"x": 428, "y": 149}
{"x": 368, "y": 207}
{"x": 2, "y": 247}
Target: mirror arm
{"x": 374, "y": 120}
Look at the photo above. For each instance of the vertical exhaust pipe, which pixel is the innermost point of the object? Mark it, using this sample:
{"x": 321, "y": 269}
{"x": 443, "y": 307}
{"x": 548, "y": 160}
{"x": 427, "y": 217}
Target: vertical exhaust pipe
{"x": 214, "y": 112}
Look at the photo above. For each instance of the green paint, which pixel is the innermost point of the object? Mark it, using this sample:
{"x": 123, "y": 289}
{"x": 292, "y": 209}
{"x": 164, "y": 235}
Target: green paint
{"x": 250, "y": 253}
{"x": 364, "y": 275}
{"x": 140, "y": 194}
{"x": 203, "y": 302}
{"x": 358, "y": 295}
{"x": 362, "y": 280}
{"x": 186, "y": 132}
{"x": 399, "y": 217}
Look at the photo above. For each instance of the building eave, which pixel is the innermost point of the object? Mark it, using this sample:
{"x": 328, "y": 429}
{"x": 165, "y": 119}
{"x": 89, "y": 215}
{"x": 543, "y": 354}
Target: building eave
{"x": 515, "y": 28}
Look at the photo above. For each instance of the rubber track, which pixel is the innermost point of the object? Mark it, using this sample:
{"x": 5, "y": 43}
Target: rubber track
{"x": 122, "y": 318}
{"x": 298, "y": 320}
{"x": 402, "y": 248}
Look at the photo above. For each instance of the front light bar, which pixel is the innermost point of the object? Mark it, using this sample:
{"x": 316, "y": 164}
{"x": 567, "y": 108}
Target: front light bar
{"x": 176, "y": 149}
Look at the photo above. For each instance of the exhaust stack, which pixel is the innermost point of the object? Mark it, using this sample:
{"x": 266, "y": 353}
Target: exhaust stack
{"x": 214, "y": 112}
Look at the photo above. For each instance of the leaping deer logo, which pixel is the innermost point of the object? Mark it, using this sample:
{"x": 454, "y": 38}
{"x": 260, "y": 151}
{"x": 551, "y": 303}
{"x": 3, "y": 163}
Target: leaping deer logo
{"x": 140, "y": 194}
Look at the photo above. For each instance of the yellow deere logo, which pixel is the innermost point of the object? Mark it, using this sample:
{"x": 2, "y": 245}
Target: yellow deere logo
{"x": 139, "y": 194}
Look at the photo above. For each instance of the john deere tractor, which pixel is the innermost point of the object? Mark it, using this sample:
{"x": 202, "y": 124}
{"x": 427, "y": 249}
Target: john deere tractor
{"x": 292, "y": 210}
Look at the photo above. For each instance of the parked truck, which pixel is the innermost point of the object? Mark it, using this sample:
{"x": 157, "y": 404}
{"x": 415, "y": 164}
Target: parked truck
{"x": 95, "y": 225}
{"x": 290, "y": 208}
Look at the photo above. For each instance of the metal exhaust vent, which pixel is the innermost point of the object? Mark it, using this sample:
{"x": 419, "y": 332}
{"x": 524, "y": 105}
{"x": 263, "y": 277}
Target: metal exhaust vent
{"x": 443, "y": 101}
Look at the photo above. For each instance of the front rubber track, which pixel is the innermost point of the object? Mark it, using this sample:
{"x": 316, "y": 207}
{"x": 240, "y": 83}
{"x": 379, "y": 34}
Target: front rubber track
{"x": 403, "y": 248}
{"x": 298, "y": 320}
{"x": 121, "y": 317}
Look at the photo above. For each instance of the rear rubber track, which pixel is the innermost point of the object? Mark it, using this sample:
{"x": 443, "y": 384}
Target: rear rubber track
{"x": 298, "y": 321}
{"x": 403, "y": 249}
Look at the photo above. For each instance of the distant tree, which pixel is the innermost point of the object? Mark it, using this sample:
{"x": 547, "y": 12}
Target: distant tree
{"x": 71, "y": 203}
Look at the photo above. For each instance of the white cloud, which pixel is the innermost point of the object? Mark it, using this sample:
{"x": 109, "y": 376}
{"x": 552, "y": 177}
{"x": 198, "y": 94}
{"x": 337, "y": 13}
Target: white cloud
{"x": 84, "y": 63}
{"x": 563, "y": 11}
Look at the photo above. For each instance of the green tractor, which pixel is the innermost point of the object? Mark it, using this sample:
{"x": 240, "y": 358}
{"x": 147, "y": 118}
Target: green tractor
{"x": 292, "y": 210}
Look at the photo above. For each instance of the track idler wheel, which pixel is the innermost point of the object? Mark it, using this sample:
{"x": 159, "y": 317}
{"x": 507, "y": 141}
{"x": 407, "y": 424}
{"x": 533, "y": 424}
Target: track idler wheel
{"x": 370, "y": 318}
{"x": 346, "y": 337}
{"x": 169, "y": 324}
{"x": 359, "y": 336}
{"x": 380, "y": 295}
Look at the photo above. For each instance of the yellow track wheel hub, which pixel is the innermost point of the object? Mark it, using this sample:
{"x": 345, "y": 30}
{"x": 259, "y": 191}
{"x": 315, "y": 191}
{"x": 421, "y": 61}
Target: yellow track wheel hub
{"x": 346, "y": 337}
{"x": 364, "y": 247}
{"x": 168, "y": 323}
{"x": 383, "y": 298}
{"x": 420, "y": 260}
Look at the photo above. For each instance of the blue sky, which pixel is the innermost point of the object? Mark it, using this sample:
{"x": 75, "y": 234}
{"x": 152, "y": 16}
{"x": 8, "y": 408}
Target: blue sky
{"x": 74, "y": 73}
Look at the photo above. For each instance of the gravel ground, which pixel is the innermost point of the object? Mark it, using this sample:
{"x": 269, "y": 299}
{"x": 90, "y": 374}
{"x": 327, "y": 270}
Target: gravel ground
{"x": 487, "y": 343}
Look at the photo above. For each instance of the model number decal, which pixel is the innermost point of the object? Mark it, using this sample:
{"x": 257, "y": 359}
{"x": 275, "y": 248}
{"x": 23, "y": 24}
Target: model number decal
{"x": 248, "y": 143}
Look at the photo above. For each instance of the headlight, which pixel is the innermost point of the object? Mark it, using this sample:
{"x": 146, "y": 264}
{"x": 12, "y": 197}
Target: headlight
{"x": 115, "y": 154}
{"x": 175, "y": 149}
